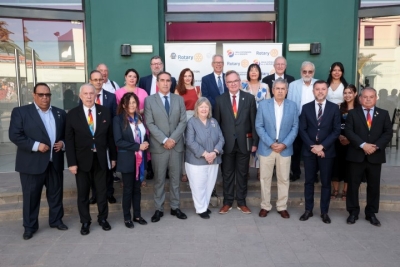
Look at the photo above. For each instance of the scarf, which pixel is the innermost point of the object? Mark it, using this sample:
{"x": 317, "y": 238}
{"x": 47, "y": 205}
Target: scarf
{"x": 138, "y": 154}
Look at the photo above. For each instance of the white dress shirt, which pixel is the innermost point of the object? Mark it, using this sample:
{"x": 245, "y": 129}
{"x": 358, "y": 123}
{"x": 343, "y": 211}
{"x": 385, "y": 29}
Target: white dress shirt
{"x": 277, "y": 76}
{"x": 101, "y": 97}
{"x": 222, "y": 79}
{"x": 317, "y": 108}
{"x": 237, "y": 99}
{"x": 278, "y": 117}
{"x": 153, "y": 89}
{"x": 108, "y": 86}
{"x": 93, "y": 109}
{"x": 307, "y": 94}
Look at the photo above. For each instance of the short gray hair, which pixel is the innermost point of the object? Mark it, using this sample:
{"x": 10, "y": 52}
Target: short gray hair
{"x": 86, "y": 85}
{"x": 199, "y": 102}
{"x": 368, "y": 89}
{"x": 280, "y": 80}
{"x": 280, "y": 57}
{"x": 217, "y": 55}
{"x": 305, "y": 63}
{"x": 229, "y": 72}
{"x": 155, "y": 57}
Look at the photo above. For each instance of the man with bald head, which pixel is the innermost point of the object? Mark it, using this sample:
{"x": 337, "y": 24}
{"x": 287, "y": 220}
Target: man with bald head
{"x": 88, "y": 136}
{"x": 108, "y": 85}
{"x": 280, "y": 65}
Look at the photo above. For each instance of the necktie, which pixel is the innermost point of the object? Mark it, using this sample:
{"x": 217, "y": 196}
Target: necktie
{"x": 166, "y": 105}
{"x": 98, "y": 100}
{"x": 369, "y": 119}
{"x": 234, "y": 107}
{"x": 319, "y": 118}
{"x": 221, "y": 90}
{"x": 90, "y": 122}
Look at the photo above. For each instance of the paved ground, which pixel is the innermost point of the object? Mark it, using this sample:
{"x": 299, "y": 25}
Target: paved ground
{"x": 230, "y": 240}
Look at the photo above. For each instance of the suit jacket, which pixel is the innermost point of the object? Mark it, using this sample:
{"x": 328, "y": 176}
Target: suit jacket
{"x": 26, "y": 128}
{"x": 126, "y": 145}
{"x": 109, "y": 101}
{"x": 328, "y": 130}
{"x": 236, "y": 128}
{"x": 79, "y": 140}
{"x": 209, "y": 87}
{"x": 357, "y": 132}
{"x": 295, "y": 92}
{"x": 161, "y": 125}
{"x": 266, "y": 126}
{"x": 145, "y": 83}
{"x": 271, "y": 78}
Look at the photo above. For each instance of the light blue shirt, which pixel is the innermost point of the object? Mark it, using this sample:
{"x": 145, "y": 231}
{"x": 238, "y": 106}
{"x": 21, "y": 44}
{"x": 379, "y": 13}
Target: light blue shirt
{"x": 50, "y": 125}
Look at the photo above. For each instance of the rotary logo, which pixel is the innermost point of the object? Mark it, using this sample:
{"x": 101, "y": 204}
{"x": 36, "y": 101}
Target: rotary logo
{"x": 230, "y": 53}
{"x": 173, "y": 56}
{"x": 198, "y": 57}
{"x": 274, "y": 52}
{"x": 244, "y": 63}
{"x": 256, "y": 61}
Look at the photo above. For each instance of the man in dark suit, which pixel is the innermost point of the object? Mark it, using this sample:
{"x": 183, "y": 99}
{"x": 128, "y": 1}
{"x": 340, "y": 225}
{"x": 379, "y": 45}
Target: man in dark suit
{"x": 38, "y": 131}
{"x": 319, "y": 128}
{"x": 109, "y": 101}
{"x": 369, "y": 130}
{"x": 88, "y": 137}
{"x": 213, "y": 84}
{"x": 149, "y": 83}
{"x": 235, "y": 112}
{"x": 280, "y": 65}
{"x": 165, "y": 115}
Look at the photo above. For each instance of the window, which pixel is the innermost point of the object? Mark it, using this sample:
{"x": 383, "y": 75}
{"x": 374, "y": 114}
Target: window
{"x": 52, "y": 4}
{"x": 369, "y": 36}
{"x": 220, "y": 5}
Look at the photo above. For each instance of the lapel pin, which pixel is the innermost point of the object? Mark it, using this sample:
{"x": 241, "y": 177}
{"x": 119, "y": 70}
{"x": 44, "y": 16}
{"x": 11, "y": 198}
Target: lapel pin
{"x": 243, "y": 98}
{"x": 99, "y": 113}
{"x": 104, "y": 121}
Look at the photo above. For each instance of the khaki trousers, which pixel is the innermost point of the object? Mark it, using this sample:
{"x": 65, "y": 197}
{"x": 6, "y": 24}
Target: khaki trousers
{"x": 282, "y": 173}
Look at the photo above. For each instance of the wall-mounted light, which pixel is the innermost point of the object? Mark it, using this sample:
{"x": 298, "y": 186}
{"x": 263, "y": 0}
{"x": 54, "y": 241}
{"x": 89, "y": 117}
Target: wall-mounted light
{"x": 126, "y": 50}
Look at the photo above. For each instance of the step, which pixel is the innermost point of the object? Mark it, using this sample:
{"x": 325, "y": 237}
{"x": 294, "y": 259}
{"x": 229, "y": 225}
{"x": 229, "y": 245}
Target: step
{"x": 13, "y": 211}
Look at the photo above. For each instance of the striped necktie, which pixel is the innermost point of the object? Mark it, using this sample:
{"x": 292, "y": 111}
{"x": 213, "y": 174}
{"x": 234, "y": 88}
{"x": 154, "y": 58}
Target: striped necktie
{"x": 369, "y": 119}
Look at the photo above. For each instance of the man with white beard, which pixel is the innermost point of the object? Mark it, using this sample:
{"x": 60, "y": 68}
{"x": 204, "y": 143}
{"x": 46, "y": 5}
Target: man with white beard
{"x": 300, "y": 92}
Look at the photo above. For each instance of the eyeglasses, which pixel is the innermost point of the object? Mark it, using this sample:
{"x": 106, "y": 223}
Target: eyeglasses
{"x": 41, "y": 95}
{"x": 280, "y": 64}
{"x": 308, "y": 71}
{"x": 232, "y": 82}
{"x": 218, "y": 63}
{"x": 156, "y": 64}
{"x": 97, "y": 80}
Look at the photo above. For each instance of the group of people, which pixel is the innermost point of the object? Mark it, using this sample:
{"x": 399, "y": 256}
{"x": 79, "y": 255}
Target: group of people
{"x": 174, "y": 130}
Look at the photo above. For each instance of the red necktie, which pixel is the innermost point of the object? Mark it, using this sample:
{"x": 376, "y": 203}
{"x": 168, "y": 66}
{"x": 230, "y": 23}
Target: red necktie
{"x": 369, "y": 119}
{"x": 98, "y": 100}
{"x": 234, "y": 107}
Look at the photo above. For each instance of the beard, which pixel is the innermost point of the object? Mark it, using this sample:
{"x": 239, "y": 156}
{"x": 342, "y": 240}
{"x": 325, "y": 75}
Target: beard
{"x": 307, "y": 80}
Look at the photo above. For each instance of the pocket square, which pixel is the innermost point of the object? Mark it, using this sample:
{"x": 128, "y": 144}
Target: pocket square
{"x": 104, "y": 121}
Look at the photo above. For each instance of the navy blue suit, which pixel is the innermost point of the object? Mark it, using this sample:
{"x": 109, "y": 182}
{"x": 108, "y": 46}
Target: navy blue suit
{"x": 145, "y": 83}
{"x": 328, "y": 131}
{"x": 209, "y": 87}
{"x": 35, "y": 168}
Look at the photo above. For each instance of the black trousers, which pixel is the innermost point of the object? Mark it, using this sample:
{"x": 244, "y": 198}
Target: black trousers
{"x": 372, "y": 173}
{"x": 97, "y": 176}
{"x": 32, "y": 186}
{"x": 234, "y": 167}
{"x": 131, "y": 196}
{"x": 110, "y": 184}
{"x": 311, "y": 165}
{"x": 296, "y": 157}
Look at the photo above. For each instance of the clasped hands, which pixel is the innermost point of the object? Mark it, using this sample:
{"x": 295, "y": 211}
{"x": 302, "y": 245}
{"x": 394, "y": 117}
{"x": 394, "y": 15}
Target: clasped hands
{"x": 169, "y": 144}
{"x": 278, "y": 147}
{"x": 318, "y": 150}
{"x": 144, "y": 145}
{"x": 369, "y": 148}
{"x": 209, "y": 156}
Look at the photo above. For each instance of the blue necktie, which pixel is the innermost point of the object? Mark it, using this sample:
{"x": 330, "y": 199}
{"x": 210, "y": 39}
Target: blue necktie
{"x": 221, "y": 90}
{"x": 166, "y": 105}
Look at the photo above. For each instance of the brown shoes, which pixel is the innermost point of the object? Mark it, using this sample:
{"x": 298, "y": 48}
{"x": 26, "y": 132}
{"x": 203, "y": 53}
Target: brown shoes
{"x": 284, "y": 214}
{"x": 244, "y": 209}
{"x": 263, "y": 213}
{"x": 225, "y": 209}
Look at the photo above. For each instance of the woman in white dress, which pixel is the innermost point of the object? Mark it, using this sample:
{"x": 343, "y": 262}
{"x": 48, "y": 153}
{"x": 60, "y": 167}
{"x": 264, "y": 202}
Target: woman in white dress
{"x": 337, "y": 83}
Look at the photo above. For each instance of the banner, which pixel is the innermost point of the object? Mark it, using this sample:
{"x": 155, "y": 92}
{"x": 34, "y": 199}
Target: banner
{"x": 239, "y": 56}
{"x": 195, "y": 56}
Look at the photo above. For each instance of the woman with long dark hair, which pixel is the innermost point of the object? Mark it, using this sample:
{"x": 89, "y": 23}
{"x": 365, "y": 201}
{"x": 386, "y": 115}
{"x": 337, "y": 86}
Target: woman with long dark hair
{"x": 131, "y": 141}
{"x": 336, "y": 82}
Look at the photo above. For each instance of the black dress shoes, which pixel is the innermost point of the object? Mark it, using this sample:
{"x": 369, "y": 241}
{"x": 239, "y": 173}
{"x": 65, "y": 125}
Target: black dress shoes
{"x": 208, "y": 211}
{"x": 28, "y": 235}
{"x": 85, "y": 230}
{"x": 129, "y": 224}
{"x": 111, "y": 199}
{"x": 61, "y": 226}
{"x": 204, "y": 215}
{"x": 157, "y": 215}
{"x": 325, "y": 218}
{"x": 352, "y": 219}
{"x": 150, "y": 175}
{"x": 373, "y": 220}
{"x": 92, "y": 200}
{"x": 307, "y": 214}
{"x": 105, "y": 225}
{"x": 179, "y": 214}
{"x": 140, "y": 220}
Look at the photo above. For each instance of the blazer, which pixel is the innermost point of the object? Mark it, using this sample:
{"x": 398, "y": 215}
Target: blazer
{"x": 162, "y": 125}
{"x": 271, "y": 78}
{"x": 357, "y": 132}
{"x": 79, "y": 140}
{"x": 328, "y": 130}
{"x": 109, "y": 101}
{"x": 236, "y": 128}
{"x": 126, "y": 145}
{"x": 26, "y": 128}
{"x": 145, "y": 83}
{"x": 209, "y": 87}
{"x": 295, "y": 92}
{"x": 266, "y": 126}
{"x": 200, "y": 138}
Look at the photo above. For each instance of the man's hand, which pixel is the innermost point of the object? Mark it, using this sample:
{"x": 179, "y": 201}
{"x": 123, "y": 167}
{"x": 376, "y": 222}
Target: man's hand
{"x": 58, "y": 146}
{"x": 278, "y": 148}
{"x": 253, "y": 149}
{"x": 369, "y": 148}
{"x": 113, "y": 163}
{"x": 169, "y": 144}
{"x": 316, "y": 149}
{"x": 321, "y": 154}
{"x": 73, "y": 169}
{"x": 43, "y": 148}
{"x": 344, "y": 141}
